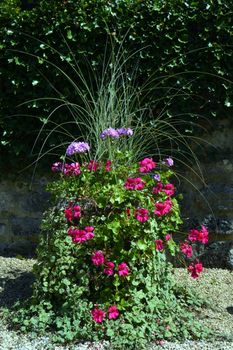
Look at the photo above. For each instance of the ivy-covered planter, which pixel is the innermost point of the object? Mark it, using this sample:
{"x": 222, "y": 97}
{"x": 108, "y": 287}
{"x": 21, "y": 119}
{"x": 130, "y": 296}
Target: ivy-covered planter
{"x": 102, "y": 272}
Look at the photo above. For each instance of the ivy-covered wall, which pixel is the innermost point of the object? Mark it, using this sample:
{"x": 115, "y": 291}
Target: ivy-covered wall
{"x": 185, "y": 45}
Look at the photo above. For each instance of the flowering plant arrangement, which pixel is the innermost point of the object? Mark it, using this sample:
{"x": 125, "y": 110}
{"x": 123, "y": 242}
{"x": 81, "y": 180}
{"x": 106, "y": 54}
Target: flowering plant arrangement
{"x": 102, "y": 270}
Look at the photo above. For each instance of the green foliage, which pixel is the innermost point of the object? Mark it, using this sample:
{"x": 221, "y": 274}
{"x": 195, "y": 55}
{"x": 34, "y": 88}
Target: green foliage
{"x": 69, "y": 285}
{"x": 185, "y": 46}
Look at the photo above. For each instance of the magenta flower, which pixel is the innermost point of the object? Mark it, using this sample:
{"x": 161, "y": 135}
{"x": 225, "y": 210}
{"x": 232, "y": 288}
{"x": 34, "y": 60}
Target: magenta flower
{"x": 109, "y": 132}
{"x": 56, "y": 167}
{"x": 89, "y": 232}
{"x": 98, "y": 258}
{"x": 186, "y": 249}
{"x": 195, "y": 269}
{"x": 159, "y": 245}
{"x": 76, "y": 211}
{"x": 75, "y": 168}
{"x": 108, "y": 165}
{"x": 79, "y": 236}
{"x": 169, "y": 189}
{"x": 77, "y": 147}
{"x": 201, "y": 236}
{"x": 168, "y": 237}
{"x": 123, "y": 269}
{"x": 72, "y": 212}
{"x": 98, "y": 315}
{"x": 68, "y": 214}
{"x": 71, "y": 169}
{"x": 163, "y": 208}
{"x": 113, "y": 312}
{"x": 92, "y": 166}
{"x": 142, "y": 215}
{"x": 109, "y": 269}
{"x": 134, "y": 183}
{"x": 146, "y": 165}
{"x": 158, "y": 188}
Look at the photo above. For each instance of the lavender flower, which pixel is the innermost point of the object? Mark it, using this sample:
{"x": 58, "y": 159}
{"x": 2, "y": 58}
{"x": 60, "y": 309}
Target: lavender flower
{"x": 77, "y": 147}
{"x": 125, "y": 132}
{"x": 157, "y": 177}
{"x": 168, "y": 161}
{"x": 109, "y": 132}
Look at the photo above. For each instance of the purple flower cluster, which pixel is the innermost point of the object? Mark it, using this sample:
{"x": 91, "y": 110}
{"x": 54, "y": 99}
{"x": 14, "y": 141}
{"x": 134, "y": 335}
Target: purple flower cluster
{"x": 116, "y": 133}
{"x": 77, "y": 147}
{"x": 125, "y": 132}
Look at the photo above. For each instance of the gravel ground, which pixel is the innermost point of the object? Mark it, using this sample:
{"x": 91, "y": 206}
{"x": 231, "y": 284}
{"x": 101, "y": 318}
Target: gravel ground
{"x": 215, "y": 285}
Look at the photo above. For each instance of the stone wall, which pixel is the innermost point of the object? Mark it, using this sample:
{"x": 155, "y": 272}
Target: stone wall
{"x": 208, "y": 202}
{"x": 21, "y": 208}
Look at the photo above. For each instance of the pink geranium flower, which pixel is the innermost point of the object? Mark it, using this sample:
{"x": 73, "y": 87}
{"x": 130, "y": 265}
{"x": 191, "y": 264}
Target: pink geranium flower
{"x": 98, "y": 258}
{"x": 163, "y": 208}
{"x": 169, "y": 189}
{"x": 75, "y": 169}
{"x": 142, "y": 215}
{"x": 109, "y": 269}
{"x": 68, "y": 214}
{"x": 89, "y": 232}
{"x": 98, "y": 315}
{"x": 134, "y": 183}
{"x": 113, "y": 312}
{"x": 195, "y": 269}
{"x": 92, "y": 166}
{"x": 186, "y": 249}
{"x": 76, "y": 211}
{"x": 168, "y": 237}
{"x": 108, "y": 165}
{"x": 146, "y": 165}
{"x": 201, "y": 236}
{"x": 123, "y": 269}
{"x": 79, "y": 236}
{"x": 159, "y": 245}
{"x": 158, "y": 188}
{"x": 56, "y": 167}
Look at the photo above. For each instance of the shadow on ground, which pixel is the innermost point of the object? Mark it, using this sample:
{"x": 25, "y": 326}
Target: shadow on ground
{"x": 15, "y": 288}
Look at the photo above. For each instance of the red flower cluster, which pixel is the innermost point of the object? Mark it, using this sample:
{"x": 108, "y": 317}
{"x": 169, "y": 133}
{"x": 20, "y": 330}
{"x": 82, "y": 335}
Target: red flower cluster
{"x": 195, "y": 269}
{"x": 72, "y": 212}
{"x": 201, "y": 236}
{"x": 163, "y": 208}
{"x": 92, "y": 166}
{"x": 134, "y": 183}
{"x": 159, "y": 245}
{"x": 123, "y": 269}
{"x": 146, "y": 165}
{"x": 108, "y": 165}
{"x": 98, "y": 315}
{"x": 186, "y": 249}
{"x": 109, "y": 269}
{"x": 169, "y": 189}
{"x": 98, "y": 258}
{"x": 142, "y": 215}
{"x": 80, "y": 236}
{"x": 67, "y": 169}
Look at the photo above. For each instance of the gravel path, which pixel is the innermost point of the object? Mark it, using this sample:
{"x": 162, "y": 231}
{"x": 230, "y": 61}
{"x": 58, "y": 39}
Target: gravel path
{"x": 215, "y": 285}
